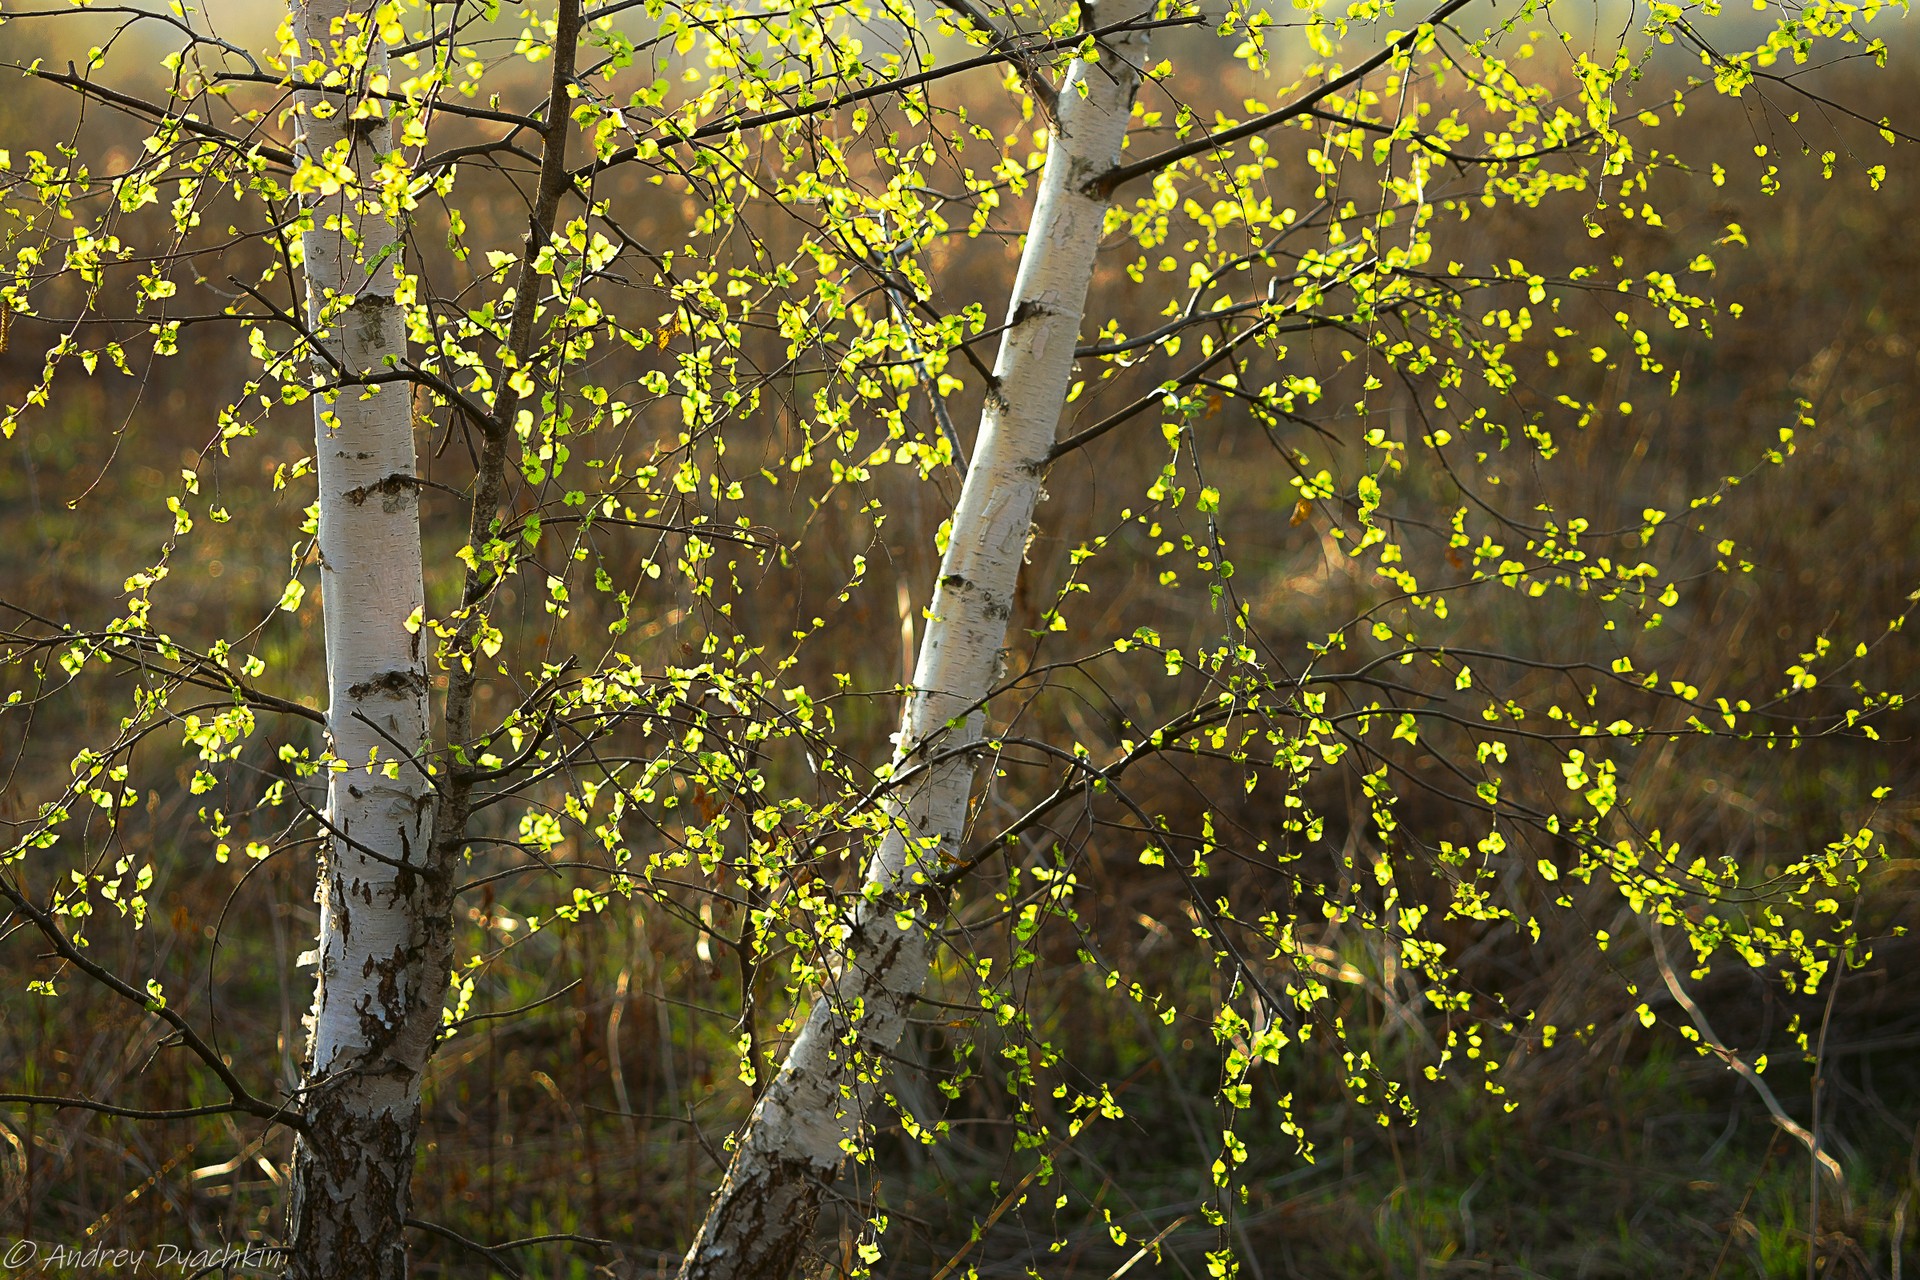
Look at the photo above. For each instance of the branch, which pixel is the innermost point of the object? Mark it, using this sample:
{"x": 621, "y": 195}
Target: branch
{"x": 448, "y": 1233}
{"x": 242, "y": 1100}
{"x": 138, "y": 14}
{"x": 1745, "y": 1070}
{"x": 474, "y": 409}
{"x": 1159, "y": 393}
{"x": 203, "y": 672}
{"x": 451, "y": 108}
{"x": 1170, "y": 328}
{"x": 549, "y": 998}
{"x": 1000, "y": 42}
{"x": 128, "y": 1113}
{"x": 1107, "y": 183}
{"x": 139, "y": 106}
{"x": 456, "y": 803}
{"x": 723, "y": 127}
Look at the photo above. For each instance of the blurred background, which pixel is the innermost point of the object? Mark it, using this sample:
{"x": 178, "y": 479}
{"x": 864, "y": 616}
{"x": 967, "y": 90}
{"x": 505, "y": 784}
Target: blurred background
{"x": 598, "y": 1114}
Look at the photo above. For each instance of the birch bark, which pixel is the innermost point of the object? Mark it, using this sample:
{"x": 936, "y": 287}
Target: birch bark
{"x": 812, "y": 1115}
{"x": 385, "y": 942}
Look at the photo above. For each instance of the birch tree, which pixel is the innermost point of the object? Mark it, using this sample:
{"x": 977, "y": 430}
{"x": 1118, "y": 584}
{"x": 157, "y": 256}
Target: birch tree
{"x": 815, "y": 1111}
{"x": 385, "y": 941}
{"x": 683, "y": 302}
{"x": 394, "y": 819}
{"x": 386, "y": 889}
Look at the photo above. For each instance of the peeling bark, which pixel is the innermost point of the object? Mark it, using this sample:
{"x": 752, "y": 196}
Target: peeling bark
{"x": 385, "y": 944}
{"x": 814, "y": 1112}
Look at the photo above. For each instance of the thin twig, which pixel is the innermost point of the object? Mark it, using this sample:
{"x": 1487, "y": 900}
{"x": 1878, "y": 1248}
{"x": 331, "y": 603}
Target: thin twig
{"x": 1745, "y": 1070}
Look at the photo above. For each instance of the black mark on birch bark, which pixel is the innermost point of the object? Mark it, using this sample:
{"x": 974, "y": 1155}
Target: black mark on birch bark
{"x": 398, "y": 684}
{"x": 392, "y": 489}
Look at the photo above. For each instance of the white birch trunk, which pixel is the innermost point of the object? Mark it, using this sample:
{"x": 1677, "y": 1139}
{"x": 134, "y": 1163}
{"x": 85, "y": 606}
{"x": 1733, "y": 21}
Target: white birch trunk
{"x": 813, "y": 1114}
{"x": 385, "y": 939}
